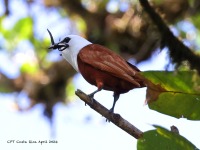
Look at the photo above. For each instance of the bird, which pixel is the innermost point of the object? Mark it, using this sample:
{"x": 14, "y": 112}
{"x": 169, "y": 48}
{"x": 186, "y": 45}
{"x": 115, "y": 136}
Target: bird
{"x": 99, "y": 66}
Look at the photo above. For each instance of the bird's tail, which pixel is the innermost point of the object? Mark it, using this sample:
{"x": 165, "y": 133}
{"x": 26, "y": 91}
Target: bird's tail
{"x": 138, "y": 77}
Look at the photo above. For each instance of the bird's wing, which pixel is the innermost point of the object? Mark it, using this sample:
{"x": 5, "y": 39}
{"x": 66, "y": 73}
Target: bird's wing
{"x": 102, "y": 58}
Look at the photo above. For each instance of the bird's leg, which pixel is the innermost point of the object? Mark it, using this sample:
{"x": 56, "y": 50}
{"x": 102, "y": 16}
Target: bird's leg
{"x": 99, "y": 88}
{"x": 91, "y": 95}
{"x": 116, "y": 97}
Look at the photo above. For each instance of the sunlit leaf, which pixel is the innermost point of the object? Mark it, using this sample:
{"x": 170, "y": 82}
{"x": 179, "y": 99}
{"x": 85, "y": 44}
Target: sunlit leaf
{"x": 29, "y": 68}
{"x": 23, "y": 28}
{"x": 1, "y": 25}
{"x": 175, "y": 94}
{"x": 70, "y": 88}
{"x": 80, "y": 24}
{"x": 196, "y": 20}
{"x": 41, "y": 47}
{"x": 162, "y": 139}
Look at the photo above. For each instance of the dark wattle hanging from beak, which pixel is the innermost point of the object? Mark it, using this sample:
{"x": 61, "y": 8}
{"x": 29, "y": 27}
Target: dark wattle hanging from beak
{"x": 52, "y": 40}
{"x": 60, "y": 46}
{"x": 53, "y": 46}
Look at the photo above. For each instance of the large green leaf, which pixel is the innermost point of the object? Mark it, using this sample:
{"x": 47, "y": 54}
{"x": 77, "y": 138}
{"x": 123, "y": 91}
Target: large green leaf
{"x": 162, "y": 139}
{"x": 174, "y": 93}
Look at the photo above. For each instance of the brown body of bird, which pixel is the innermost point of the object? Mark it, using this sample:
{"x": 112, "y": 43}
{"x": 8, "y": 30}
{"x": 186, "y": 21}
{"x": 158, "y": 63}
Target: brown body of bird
{"x": 99, "y": 66}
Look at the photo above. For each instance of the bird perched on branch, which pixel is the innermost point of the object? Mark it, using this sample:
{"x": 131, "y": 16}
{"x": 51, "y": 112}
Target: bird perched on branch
{"x": 99, "y": 66}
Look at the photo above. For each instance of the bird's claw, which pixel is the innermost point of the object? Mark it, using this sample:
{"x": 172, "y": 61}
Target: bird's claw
{"x": 91, "y": 96}
{"x": 107, "y": 120}
{"x": 111, "y": 111}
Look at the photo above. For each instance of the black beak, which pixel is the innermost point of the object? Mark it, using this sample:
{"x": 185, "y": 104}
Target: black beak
{"x": 59, "y": 45}
{"x": 52, "y": 47}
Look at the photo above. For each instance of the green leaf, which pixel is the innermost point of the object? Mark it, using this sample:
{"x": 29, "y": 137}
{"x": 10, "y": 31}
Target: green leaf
{"x": 162, "y": 139}
{"x": 23, "y": 28}
{"x": 70, "y": 88}
{"x": 20, "y": 31}
{"x": 81, "y": 24}
{"x": 174, "y": 93}
{"x": 30, "y": 68}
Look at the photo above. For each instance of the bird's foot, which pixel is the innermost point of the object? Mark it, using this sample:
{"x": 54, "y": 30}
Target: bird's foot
{"x": 111, "y": 111}
{"x": 91, "y": 96}
{"x": 107, "y": 120}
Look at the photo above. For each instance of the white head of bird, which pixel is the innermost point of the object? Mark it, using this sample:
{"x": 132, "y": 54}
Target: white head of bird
{"x": 70, "y": 47}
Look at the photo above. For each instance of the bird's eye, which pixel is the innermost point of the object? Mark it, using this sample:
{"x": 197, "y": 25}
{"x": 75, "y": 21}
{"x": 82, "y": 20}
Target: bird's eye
{"x": 66, "y": 40}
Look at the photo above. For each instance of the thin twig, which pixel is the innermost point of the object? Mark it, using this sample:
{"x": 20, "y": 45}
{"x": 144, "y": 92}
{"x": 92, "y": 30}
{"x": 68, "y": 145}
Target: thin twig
{"x": 112, "y": 117}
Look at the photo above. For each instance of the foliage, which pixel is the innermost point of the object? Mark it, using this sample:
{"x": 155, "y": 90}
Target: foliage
{"x": 174, "y": 93}
{"x": 22, "y": 30}
{"x": 132, "y": 32}
{"x": 161, "y": 138}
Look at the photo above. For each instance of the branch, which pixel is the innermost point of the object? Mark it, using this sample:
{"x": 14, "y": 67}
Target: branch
{"x": 114, "y": 118}
{"x": 6, "y": 4}
{"x": 178, "y": 51}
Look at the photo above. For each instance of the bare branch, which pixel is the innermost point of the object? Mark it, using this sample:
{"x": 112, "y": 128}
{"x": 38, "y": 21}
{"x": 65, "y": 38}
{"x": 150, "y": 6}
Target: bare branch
{"x": 112, "y": 117}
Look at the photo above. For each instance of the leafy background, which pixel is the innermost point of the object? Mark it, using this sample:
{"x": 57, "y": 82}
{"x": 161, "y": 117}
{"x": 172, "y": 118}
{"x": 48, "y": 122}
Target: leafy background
{"x": 34, "y": 81}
